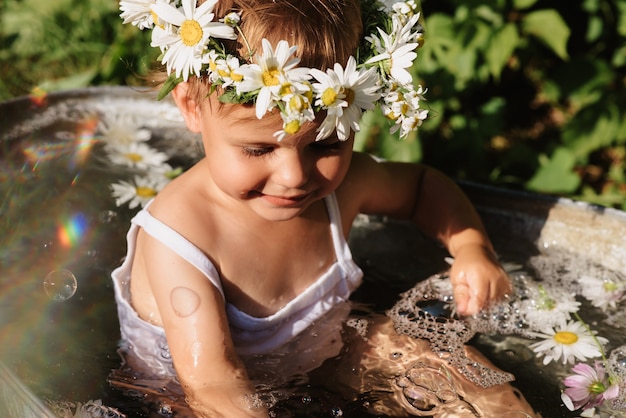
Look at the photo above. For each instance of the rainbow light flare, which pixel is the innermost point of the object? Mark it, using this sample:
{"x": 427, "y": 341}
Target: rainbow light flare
{"x": 72, "y": 231}
{"x": 85, "y": 140}
{"x": 77, "y": 150}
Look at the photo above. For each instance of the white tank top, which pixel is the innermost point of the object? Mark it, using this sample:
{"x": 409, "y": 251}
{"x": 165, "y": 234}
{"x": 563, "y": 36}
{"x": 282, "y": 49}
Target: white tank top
{"x": 251, "y": 335}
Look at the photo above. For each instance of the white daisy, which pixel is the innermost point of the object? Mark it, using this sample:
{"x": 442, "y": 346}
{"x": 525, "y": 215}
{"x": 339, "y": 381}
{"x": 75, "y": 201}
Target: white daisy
{"x": 566, "y": 342}
{"x": 271, "y": 72}
{"x": 395, "y": 53}
{"x": 166, "y": 171}
{"x": 602, "y": 292}
{"x": 405, "y": 8}
{"x": 344, "y": 94}
{"x": 137, "y": 155}
{"x": 138, "y": 192}
{"x": 406, "y": 28}
{"x": 122, "y": 128}
{"x": 226, "y": 70}
{"x": 404, "y": 109}
{"x": 211, "y": 58}
{"x": 191, "y": 28}
{"x": 545, "y": 309}
{"x": 296, "y": 110}
{"x": 231, "y": 19}
{"x": 138, "y": 12}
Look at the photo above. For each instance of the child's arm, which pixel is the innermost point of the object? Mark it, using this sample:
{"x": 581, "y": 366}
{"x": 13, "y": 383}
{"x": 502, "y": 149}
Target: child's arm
{"x": 441, "y": 210}
{"x": 193, "y": 315}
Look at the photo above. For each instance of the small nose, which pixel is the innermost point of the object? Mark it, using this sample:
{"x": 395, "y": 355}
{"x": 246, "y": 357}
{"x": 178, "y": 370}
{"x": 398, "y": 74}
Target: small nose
{"x": 292, "y": 171}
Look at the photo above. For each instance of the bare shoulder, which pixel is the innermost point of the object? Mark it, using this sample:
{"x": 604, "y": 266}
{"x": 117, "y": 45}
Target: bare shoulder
{"x": 177, "y": 205}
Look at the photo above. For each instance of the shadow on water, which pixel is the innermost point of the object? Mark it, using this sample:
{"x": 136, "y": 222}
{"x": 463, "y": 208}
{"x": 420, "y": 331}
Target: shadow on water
{"x": 57, "y": 214}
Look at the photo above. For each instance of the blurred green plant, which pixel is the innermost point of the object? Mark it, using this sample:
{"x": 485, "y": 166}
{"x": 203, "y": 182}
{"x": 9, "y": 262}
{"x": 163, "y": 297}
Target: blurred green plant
{"x": 526, "y": 94}
{"x": 65, "y": 44}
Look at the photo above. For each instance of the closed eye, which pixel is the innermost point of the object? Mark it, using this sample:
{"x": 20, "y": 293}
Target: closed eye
{"x": 258, "y": 151}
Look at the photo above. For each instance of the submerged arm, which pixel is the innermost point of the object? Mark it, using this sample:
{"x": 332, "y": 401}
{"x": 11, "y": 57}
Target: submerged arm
{"x": 193, "y": 315}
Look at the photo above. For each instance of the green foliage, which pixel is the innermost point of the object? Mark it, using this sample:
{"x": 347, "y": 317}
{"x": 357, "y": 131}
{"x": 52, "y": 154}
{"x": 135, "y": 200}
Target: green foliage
{"x": 64, "y": 44}
{"x": 527, "y": 94}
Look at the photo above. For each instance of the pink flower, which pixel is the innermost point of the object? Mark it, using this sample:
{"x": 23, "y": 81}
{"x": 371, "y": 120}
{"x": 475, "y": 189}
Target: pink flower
{"x": 588, "y": 387}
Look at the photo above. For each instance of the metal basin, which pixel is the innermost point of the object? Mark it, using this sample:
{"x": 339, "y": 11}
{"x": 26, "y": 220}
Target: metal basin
{"x": 57, "y": 214}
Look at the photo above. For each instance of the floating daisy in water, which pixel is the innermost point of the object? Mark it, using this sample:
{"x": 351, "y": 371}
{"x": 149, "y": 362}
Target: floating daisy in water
{"x": 138, "y": 192}
{"x": 588, "y": 387}
{"x": 122, "y": 129}
{"x": 566, "y": 342}
{"x": 602, "y": 292}
{"x": 136, "y": 155}
{"x": 272, "y": 71}
{"x": 186, "y": 36}
{"x": 344, "y": 94}
{"x": 546, "y": 309}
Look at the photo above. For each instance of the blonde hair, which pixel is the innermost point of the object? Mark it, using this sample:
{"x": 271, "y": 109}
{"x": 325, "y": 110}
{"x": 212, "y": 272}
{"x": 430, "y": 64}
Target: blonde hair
{"x": 324, "y": 31}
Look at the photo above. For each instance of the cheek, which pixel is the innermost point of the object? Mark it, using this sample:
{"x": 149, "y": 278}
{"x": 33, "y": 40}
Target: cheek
{"x": 235, "y": 175}
{"x": 333, "y": 169}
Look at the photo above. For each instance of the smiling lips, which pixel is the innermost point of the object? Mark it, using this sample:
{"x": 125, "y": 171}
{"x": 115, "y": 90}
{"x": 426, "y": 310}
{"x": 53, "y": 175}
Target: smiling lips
{"x": 285, "y": 200}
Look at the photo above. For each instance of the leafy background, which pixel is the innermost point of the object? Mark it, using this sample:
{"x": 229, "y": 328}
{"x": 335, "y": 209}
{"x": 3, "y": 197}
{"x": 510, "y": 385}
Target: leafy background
{"x": 523, "y": 94}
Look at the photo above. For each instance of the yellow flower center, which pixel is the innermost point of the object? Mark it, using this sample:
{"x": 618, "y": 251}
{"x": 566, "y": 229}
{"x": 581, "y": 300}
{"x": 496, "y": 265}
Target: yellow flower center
{"x": 292, "y": 127}
{"x": 235, "y": 76}
{"x": 596, "y": 388}
{"x": 145, "y": 192}
{"x": 297, "y": 103}
{"x": 134, "y": 157}
{"x": 270, "y": 77}
{"x": 191, "y": 32}
{"x": 610, "y": 287}
{"x": 285, "y": 89}
{"x": 565, "y": 337}
{"x": 329, "y": 96}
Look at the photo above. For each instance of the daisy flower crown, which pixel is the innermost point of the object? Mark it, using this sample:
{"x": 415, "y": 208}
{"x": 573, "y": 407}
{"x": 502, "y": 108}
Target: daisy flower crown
{"x": 189, "y": 39}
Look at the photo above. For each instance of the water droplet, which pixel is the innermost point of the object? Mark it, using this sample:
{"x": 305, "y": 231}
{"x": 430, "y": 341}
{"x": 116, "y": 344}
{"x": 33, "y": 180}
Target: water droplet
{"x": 306, "y": 399}
{"x": 60, "y": 285}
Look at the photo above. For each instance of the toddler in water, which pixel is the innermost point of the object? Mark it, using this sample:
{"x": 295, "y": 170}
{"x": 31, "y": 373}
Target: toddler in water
{"x": 247, "y": 249}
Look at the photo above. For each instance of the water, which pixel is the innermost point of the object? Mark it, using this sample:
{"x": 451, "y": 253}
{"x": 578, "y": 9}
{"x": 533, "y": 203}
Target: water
{"x": 63, "y": 233}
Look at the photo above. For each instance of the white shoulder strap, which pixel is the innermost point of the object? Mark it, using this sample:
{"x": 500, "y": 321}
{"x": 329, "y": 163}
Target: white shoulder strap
{"x": 179, "y": 245}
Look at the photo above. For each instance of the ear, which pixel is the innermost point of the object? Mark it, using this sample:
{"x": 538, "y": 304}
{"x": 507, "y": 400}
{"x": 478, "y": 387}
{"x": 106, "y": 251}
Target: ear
{"x": 188, "y": 107}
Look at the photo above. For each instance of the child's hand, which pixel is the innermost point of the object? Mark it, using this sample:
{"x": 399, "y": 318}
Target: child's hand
{"x": 477, "y": 279}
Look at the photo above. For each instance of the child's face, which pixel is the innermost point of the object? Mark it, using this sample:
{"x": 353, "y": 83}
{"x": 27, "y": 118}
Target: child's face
{"x": 276, "y": 180}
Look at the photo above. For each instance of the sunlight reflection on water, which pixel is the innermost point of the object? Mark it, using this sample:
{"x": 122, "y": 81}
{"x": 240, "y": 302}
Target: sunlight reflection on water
{"x": 61, "y": 227}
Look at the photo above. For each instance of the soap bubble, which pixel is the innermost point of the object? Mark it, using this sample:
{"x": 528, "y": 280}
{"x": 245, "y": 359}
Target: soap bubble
{"x": 60, "y": 285}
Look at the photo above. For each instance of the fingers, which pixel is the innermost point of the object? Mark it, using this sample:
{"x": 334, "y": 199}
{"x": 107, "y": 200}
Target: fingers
{"x": 475, "y": 290}
{"x": 461, "y": 297}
